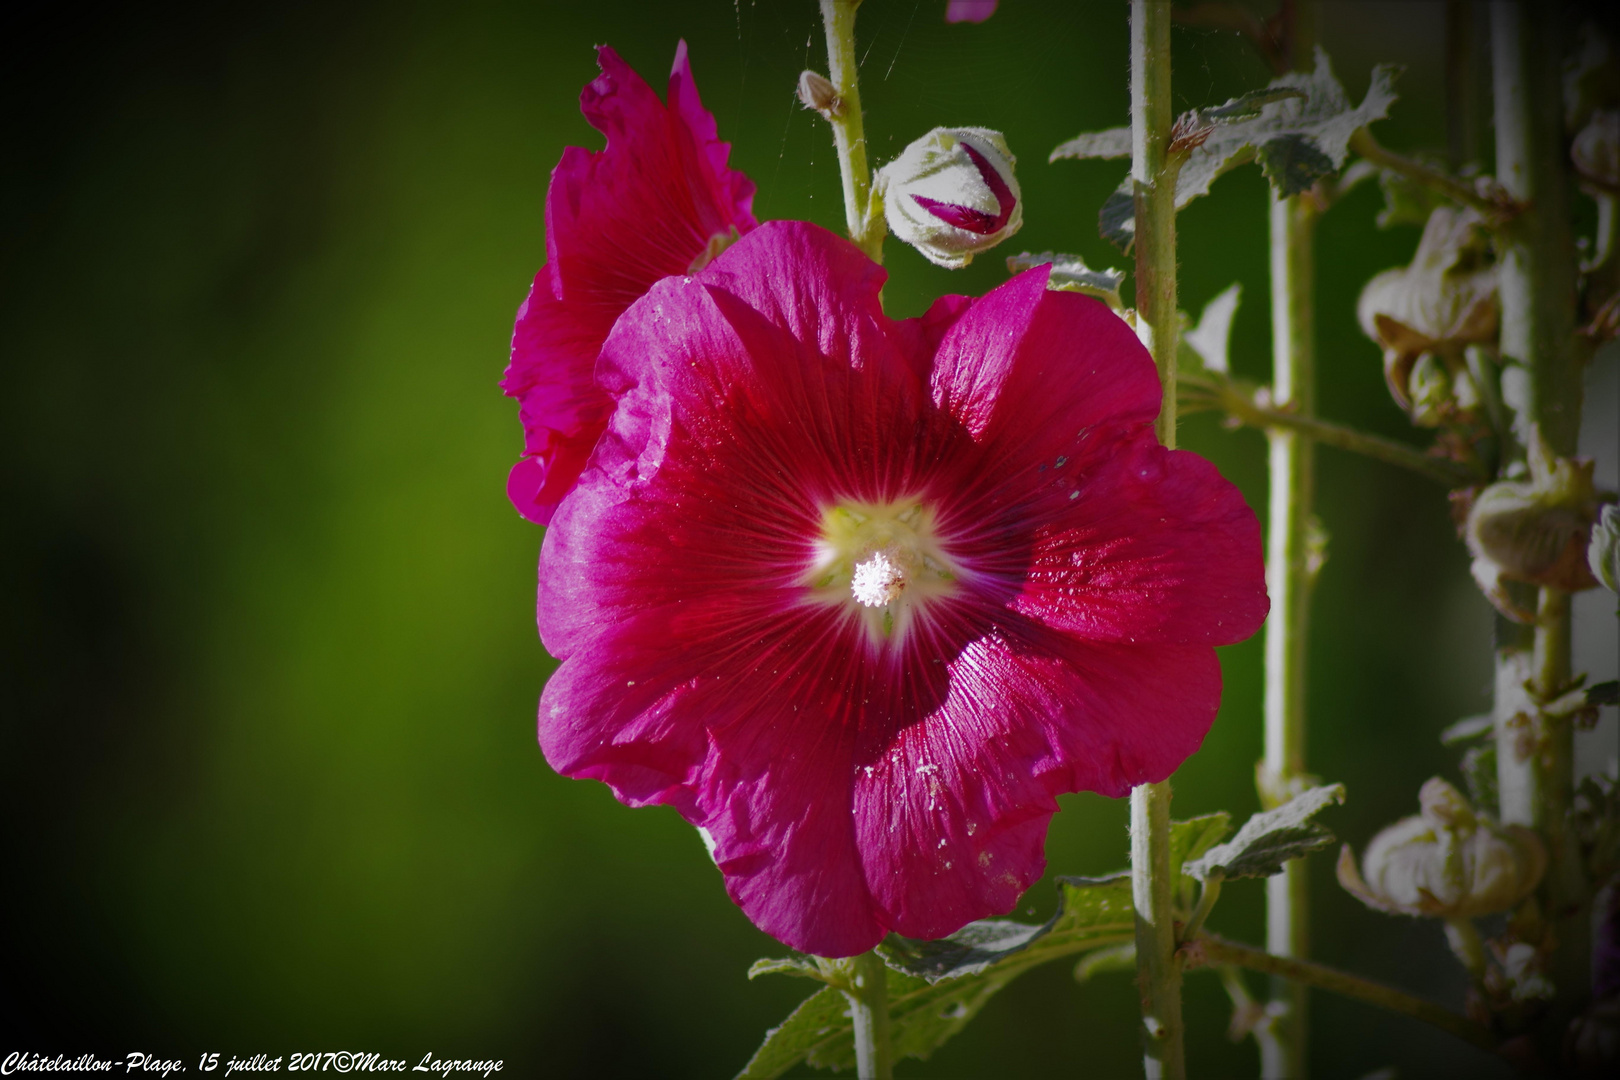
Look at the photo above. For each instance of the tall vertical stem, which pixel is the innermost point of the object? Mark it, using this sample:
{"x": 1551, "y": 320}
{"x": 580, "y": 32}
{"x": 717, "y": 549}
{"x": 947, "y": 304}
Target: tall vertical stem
{"x": 1289, "y": 576}
{"x": 1154, "y": 176}
{"x": 869, "y": 1011}
{"x": 1534, "y": 762}
{"x": 849, "y": 133}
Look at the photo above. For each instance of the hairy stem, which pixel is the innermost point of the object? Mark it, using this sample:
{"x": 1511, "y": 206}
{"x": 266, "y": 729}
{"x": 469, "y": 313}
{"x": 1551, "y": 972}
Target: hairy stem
{"x": 1289, "y": 579}
{"x": 849, "y": 134}
{"x": 869, "y": 1010}
{"x": 1534, "y": 760}
{"x": 1495, "y": 210}
{"x": 1243, "y": 408}
{"x": 1154, "y": 179}
{"x": 1210, "y": 949}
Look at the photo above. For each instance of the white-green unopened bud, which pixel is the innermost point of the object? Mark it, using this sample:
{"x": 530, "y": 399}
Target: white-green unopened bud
{"x": 1448, "y": 862}
{"x": 1603, "y": 553}
{"x": 952, "y": 194}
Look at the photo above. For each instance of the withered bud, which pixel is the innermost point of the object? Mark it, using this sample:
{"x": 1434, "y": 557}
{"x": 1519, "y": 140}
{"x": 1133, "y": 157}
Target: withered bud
{"x": 1603, "y": 553}
{"x": 1449, "y": 862}
{"x": 817, "y": 92}
{"x": 1440, "y": 304}
{"x": 1536, "y": 530}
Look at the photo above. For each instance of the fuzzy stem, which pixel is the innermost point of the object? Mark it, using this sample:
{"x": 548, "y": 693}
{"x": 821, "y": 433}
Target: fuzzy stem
{"x": 1288, "y": 580}
{"x": 1230, "y": 398}
{"x": 849, "y": 135}
{"x": 869, "y": 1010}
{"x": 1214, "y": 950}
{"x": 1458, "y": 191}
{"x": 1154, "y": 176}
{"x": 1289, "y": 575}
{"x": 1535, "y": 763}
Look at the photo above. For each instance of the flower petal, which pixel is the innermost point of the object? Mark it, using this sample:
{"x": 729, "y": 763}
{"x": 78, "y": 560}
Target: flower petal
{"x": 1027, "y": 368}
{"x": 951, "y": 817}
{"x": 1156, "y": 546}
{"x": 657, "y": 199}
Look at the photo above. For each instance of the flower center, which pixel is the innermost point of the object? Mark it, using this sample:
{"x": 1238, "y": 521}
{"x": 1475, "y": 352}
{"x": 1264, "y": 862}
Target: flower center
{"x": 883, "y": 562}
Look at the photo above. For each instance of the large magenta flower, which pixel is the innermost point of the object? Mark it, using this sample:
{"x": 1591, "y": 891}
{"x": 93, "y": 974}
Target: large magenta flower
{"x": 860, "y": 597}
{"x": 659, "y": 200}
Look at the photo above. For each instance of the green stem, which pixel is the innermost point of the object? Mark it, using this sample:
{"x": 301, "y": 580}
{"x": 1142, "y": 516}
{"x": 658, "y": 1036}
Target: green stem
{"x": 1210, "y": 949}
{"x": 869, "y": 1011}
{"x": 1207, "y": 896}
{"x": 1154, "y": 176}
{"x": 1495, "y": 210}
{"x": 1289, "y": 576}
{"x": 1243, "y": 408}
{"x": 849, "y": 136}
{"x": 1535, "y": 765}
{"x": 1288, "y": 580}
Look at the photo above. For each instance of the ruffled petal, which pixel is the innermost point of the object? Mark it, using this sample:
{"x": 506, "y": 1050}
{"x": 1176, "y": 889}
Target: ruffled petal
{"x": 656, "y": 200}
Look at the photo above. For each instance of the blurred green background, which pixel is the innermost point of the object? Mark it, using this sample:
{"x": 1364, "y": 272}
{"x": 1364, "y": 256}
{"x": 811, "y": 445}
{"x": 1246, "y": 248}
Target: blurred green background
{"x": 269, "y": 660}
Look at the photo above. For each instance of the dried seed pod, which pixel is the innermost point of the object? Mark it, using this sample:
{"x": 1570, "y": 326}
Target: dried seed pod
{"x": 1450, "y": 861}
{"x": 1440, "y": 304}
{"x": 1535, "y": 530}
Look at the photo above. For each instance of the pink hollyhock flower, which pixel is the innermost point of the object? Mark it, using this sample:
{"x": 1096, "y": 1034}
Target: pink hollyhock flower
{"x": 659, "y": 200}
{"x": 972, "y": 11}
{"x": 859, "y": 598}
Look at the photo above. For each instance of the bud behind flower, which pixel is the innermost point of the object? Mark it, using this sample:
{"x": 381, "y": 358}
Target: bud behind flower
{"x": 1448, "y": 862}
{"x": 1535, "y": 530}
{"x": 952, "y": 194}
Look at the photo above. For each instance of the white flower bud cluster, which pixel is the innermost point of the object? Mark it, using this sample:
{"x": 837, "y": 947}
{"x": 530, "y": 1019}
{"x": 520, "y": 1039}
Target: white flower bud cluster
{"x": 1448, "y": 862}
{"x": 952, "y": 194}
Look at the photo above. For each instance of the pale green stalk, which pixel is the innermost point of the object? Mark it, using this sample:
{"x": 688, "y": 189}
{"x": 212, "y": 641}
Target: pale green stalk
{"x": 1289, "y": 577}
{"x": 868, "y": 995}
{"x": 866, "y": 228}
{"x": 1535, "y": 762}
{"x": 1154, "y": 177}
{"x": 1210, "y": 949}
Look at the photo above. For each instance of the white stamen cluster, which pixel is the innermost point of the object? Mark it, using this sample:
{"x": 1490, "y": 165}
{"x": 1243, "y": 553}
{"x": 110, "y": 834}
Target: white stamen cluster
{"x": 878, "y": 579}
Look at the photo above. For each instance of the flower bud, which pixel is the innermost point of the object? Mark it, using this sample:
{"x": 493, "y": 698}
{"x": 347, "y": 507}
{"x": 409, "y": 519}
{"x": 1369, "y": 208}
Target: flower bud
{"x": 1603, "y": 553}
{"x": 1596, "y": 150}
{"x": 1535, "y": 530}
{"x": 1448, "y": 862}
{"x": 1440, "y": 304}
{"x": 817, "y": 92}
{"x": 952, "y": 194}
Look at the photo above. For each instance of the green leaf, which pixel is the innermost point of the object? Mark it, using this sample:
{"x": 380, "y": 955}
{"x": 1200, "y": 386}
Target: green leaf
{"x": 1603, "y": 693}
{"x": 813, "y": 1029}
{"x": 1116, "y": 221}
{"x": 1087, "y": 907}
{"x": 803, "y": 966}
{"x": 1121, "y": 957}
{"x": 1271, "y": 838}
{"x": 1210, "y": 338}
{"x": 1190, "y": 839}
{"x": 936, "y": 987}
{"x": 1467, "y": 729}
{"x": 1296, "y": 140}
{"x": 1406, "y": 202}
{"x": 1293, "y": 163}
{"x": 1071, "y": 274}
{"x": 1113, "y": 143}
{"x": 1248, "y": 105}
{"x": 1479, "y": 776}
